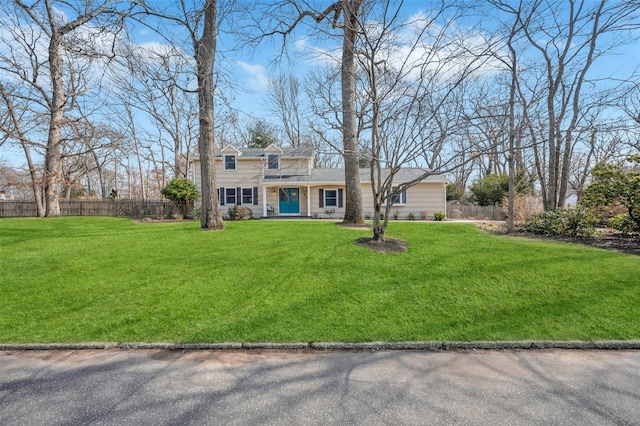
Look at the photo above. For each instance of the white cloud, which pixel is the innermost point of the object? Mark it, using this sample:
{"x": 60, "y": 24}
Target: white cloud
{"x": 256, "y": 76}
{"x": 316, "y": 55}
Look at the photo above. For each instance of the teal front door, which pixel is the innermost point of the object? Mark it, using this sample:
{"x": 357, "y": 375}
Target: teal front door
{"x": 289, "y": 200}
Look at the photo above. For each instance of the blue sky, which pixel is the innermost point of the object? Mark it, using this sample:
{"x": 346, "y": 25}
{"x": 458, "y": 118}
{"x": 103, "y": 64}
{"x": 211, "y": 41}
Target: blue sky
{"x": 251, "y": 68}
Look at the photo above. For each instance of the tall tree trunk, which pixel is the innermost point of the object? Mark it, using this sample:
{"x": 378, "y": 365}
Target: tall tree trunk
{"x": 52, "y": 160}
{"x": 204, "y": 50}
{"x": 36, "y": 183}
{"x": 353, "y": 191}
{"x": 512, "y": 132}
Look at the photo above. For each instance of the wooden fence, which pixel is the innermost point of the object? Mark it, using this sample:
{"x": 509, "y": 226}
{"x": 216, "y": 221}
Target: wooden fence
{"x": 166, "y": 209}
{"x": 462, "y": 211}
{"x": 116, "y": 208}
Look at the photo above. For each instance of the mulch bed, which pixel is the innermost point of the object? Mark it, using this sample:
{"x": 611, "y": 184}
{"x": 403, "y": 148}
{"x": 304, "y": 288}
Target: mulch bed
{"x": 389, "y": 245}
{"x": 606, "y": 240}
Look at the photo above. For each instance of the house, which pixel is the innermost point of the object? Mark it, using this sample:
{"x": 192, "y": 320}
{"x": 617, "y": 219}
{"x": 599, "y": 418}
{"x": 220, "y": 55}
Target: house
{"x": 283, "y": 182}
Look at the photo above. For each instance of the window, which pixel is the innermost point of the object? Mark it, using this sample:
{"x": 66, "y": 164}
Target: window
{"x": 229, "y": 162}
{"x": 230, "y": 196}
{"x": 331, "y": 198}
{"x": 273, "y": 162}
{"x": 400, "y": 198}
{"x": 247, "y": 195}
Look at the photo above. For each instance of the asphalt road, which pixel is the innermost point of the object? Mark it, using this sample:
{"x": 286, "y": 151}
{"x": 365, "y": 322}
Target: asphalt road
{"x": 159, "y": 387}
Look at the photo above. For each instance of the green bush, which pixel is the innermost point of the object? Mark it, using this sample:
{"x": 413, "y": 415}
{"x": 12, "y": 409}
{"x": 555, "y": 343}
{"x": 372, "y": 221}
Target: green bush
{"x": 624, "y": 224}
{"x": 570, "y": 222}
{"x": 490, "y": 190}
{"x": 182, "y": 192}
{"x": 494, "y": 188}
{"x": 615, "y": 186}
{"x": 439, "y": 216}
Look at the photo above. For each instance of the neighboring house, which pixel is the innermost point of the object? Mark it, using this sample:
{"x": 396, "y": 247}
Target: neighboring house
{"x": 571, "y": 200}
{"x": 282, "y": 182}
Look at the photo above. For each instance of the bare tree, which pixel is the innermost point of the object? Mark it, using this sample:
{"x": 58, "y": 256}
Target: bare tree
{"x": 51, "y": 56}
{"x": 283, "y": 101}
{"x": 158, "y": 81}
{"x": 201, "y": 25}
{"x": 124, "y": 114}
{"x": 204, "y": 47}
{"x": 415, "y": 85}
{"x": 13, "y": 128}
{"x": 89, "y": 155}
{"x": 568, "y": 37}
{"x": 349, "y": 11}
{"x": 323, "y": 90}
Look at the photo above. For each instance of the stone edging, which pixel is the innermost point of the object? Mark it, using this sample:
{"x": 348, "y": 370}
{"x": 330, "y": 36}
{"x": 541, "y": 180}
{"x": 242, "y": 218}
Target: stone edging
{"x": 338, "y": 346}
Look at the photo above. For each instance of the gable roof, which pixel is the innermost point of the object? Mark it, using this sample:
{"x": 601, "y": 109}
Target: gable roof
{"x": 274, "y": 148}
{"x": 230, "y": 148}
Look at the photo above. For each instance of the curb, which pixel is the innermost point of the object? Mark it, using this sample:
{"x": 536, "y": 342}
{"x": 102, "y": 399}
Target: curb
{"x": 338, "y": 346}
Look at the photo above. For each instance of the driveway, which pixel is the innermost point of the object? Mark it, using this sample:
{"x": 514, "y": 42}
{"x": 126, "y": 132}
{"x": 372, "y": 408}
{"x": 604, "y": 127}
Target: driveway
{"x": 151, "y": 387}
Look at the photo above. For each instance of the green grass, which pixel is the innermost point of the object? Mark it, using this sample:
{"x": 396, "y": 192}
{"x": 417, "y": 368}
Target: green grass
{"x": 105, "y": 279}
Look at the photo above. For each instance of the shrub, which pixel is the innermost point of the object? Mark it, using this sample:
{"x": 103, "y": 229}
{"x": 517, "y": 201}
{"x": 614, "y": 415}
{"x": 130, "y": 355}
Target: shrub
{"x": 569, "y": 222}
{"x": 231, "y": 213}
{"x": 240, "y": 213}
{"x": 424, "y": 215}
{"x": 623, "y": 224}
{"x": 616, "y": 186}
{"x": 244, "y": 213}
{"x": 330, "y": 212}
{"x": 494, "y": 188}
{"x": 182, "y": 192}
{"x": 196, "y": 213}
{"x": 490, "y": 190}
{"x": 411, "y": 216}
{"x": 439, "y": 216}
{"x": 395, "y": 215}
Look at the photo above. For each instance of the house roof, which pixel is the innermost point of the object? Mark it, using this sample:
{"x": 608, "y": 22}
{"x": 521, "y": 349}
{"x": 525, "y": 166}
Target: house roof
{"x": 260, "y": 152}
{"x": 336, "y": 175}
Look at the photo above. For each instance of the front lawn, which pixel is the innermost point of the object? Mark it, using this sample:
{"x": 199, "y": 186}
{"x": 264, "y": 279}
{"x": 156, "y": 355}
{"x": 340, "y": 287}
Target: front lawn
{"x": 106, "y": 279}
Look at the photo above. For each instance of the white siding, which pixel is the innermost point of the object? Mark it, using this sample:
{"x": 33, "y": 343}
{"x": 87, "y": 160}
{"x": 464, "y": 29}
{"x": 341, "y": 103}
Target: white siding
{"x": 423, "y": 199}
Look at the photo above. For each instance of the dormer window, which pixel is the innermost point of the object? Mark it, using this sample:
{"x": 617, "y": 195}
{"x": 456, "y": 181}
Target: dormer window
{"x": 229, "y": 162}
{"x": 273, "y": 161}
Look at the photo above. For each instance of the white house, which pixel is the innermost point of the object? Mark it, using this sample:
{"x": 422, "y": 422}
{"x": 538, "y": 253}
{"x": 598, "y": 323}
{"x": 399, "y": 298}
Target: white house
{"x": 282, "y": 182}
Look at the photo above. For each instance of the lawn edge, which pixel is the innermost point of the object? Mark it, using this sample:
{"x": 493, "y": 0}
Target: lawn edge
{"x": 337, "y": 346}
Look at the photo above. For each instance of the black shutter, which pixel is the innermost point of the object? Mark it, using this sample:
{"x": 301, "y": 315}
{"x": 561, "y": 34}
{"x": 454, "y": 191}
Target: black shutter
{"x": 340, "y": 203}
{"x": 238, "y": 196}
{"x": 222, "y": 194}
{"x": 321, "y": 198}
{"x": 255, "y": 195}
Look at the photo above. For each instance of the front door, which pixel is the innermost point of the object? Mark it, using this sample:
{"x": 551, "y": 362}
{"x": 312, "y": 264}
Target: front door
{"x": 289, "y": 200}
